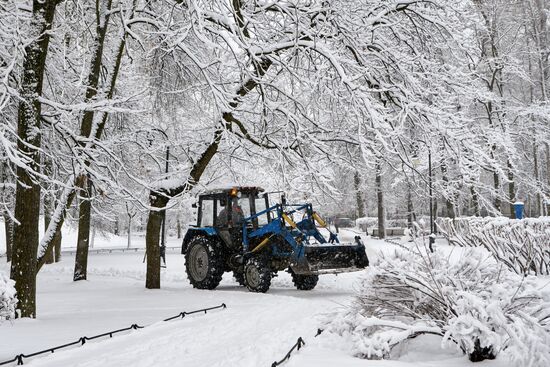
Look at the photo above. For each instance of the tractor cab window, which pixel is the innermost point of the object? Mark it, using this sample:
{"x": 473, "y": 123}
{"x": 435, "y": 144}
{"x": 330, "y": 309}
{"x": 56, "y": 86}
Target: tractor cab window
{"x": 260, "y": 207}
{"x": 244, "y": 203}
{"x": 207, "y": 213}
{"x": 221, "y": 212}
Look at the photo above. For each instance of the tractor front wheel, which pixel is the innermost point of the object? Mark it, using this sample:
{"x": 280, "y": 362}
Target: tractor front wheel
{"x": 204, "y": 263}
{"x": 257, "y": 275}
{"x": 304, "y": 282}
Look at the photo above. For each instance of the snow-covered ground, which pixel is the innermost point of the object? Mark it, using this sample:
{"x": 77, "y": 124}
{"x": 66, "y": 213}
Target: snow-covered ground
{"x": 254, "y": 330}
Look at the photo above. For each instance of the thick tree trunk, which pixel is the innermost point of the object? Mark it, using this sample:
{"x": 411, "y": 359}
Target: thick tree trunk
{"x": 380, "y": 199}
{"x": 152, "y": 236}
{"x": 83, "y": 241}
{"x": 27, "y": 196}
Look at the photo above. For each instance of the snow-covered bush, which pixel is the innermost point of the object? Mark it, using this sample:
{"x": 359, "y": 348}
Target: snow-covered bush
{"x": 8, "y": 301}
{"x": 473, "y": 303}
{"x": 522, "y": 245}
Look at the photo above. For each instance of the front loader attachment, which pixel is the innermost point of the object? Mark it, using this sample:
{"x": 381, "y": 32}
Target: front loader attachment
{"x": 331, "y": 258}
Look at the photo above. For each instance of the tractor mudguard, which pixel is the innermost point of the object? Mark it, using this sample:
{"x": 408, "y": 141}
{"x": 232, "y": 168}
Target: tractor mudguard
{"x": 193, "y": 232}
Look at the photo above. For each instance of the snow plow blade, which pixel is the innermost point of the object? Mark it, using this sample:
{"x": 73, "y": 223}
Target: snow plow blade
{"x": 332, "y": 259}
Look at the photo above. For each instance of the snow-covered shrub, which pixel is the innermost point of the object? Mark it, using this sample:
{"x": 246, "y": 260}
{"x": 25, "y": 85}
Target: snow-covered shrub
{"x": 522, "y": 245}
{"x": 473, "y": 303}
{"x": 8, "y": 301}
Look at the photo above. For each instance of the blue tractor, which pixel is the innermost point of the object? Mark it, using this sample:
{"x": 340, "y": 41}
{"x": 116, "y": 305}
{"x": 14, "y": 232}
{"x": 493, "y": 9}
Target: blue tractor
{"x": 238, "y": 230}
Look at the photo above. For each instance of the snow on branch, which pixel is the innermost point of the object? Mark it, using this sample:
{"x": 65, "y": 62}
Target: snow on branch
{"x": 522, "y": 245}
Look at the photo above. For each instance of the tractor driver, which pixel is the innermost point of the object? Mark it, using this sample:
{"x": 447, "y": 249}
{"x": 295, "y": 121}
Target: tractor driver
{"x": 237, "y": 215}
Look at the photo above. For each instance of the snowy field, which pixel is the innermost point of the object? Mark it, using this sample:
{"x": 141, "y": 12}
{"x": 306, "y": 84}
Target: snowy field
{"x": 254, "y": 330}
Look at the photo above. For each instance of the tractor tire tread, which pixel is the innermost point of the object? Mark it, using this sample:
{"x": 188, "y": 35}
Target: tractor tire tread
{"x": 215, "y": 262}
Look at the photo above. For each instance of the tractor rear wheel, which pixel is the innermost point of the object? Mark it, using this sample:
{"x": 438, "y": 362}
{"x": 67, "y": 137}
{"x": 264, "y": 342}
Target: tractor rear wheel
{"x": 257, "y": 275}
{"x": 204, "y": 263}
{"x": 304, "y": 282}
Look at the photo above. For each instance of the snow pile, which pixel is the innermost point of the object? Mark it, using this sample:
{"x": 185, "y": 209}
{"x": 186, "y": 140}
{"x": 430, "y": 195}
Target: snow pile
{"x": 475, "y": 304}
{"x": 8, "y": 301}
{"x": 522, "y": 245}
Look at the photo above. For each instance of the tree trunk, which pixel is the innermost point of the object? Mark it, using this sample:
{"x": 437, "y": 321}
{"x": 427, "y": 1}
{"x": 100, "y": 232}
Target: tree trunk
{"x": 27, "y": 196}
{"x": 83, "y": 241}
{"x": 129, "y": 231}
{"x": 178, "y": 226}
{"x": 57, "y": 245}
{"x": 496, "y": 183}
{"x": 48, "y": 204}
{"x": 152, "y": 236}
{"x": 511, "y": 190}
{"x": 86, "y": 129}
{"x": 410, "y": 208}
{"x": 548, "y": 165}
{"x": 475, "y": 201}
{"x": 380, "y": 197}
{"x": 538, "y": 198}
{"x": 50, "y": 258}
{"x": 360, "y": 205}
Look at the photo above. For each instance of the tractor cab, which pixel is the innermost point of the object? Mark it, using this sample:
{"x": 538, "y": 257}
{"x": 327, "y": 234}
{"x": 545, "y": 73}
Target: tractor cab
{"x": 227, "y": 208}
{"x": 225, "y": 211}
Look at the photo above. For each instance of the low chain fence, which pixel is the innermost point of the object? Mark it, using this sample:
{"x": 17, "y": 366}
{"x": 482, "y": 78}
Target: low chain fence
{"x": 299, "y": 344}
{"x": 81, "y": 341}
